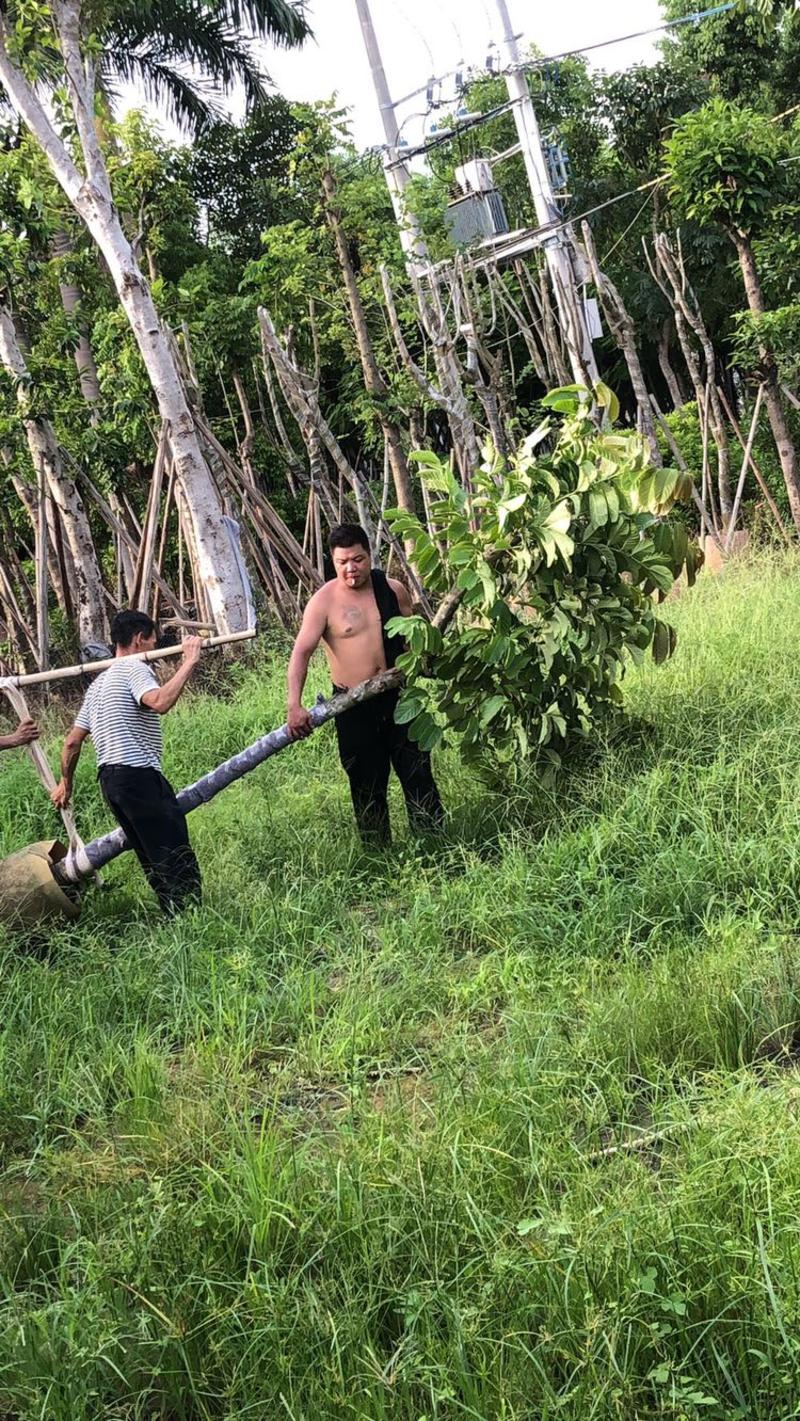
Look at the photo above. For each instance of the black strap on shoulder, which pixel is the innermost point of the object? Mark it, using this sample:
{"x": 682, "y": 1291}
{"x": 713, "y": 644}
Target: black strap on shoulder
{"x": 388, "y": 607}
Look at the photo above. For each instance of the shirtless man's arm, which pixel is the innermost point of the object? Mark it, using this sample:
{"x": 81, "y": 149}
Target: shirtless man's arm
{"x": 312, "y": 630}
{"x": 403, "y": 596}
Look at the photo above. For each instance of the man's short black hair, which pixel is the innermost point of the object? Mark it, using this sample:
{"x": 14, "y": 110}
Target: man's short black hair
{"x": 128, "y": 624}
{"x": 348, "y": 535}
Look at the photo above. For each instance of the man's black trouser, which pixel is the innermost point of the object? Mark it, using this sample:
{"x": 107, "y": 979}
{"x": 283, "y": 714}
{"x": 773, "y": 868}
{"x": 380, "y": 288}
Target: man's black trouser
{"x": 144, "y": 805}
{"x": 370, "y": 744}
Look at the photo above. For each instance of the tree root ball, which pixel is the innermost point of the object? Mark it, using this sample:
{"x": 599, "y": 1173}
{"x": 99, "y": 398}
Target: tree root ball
{"x": 30, "y": 894}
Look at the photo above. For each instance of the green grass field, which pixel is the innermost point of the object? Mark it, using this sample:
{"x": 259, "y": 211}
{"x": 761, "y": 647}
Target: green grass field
{"x": 503, "y": 1129}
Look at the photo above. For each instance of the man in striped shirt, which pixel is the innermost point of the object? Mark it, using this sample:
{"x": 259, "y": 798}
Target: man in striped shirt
{"x": 121, "y": 711}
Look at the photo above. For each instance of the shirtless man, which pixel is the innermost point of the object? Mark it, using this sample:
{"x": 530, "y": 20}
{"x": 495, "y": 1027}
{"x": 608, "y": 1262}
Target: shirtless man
{"x": 349, "y": 615}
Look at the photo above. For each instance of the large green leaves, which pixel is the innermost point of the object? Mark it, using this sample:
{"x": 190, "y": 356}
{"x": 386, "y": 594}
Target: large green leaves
{"x": 560, "y": 554}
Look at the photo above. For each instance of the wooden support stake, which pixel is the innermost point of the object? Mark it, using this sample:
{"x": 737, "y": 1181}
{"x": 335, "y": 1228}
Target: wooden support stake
{"x": 745, "y": 463}
{"x": 759, "y": 477}
{"x": 683, "y": 466}
{"x": 144, "y": 562}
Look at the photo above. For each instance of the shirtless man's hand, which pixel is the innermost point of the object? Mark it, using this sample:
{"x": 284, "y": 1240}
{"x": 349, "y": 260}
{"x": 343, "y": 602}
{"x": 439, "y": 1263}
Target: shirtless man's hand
{"x": 298, "y": 720}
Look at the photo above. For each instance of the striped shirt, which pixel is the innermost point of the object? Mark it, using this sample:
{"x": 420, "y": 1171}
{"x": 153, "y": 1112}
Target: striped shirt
{"x": 123, "y": 730}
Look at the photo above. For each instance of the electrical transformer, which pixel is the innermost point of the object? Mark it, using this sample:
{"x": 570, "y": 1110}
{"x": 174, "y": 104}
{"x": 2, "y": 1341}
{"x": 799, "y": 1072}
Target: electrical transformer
{"x": 480, "y": 212}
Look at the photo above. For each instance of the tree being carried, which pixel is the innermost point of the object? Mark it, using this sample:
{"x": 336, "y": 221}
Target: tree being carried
{"x": 546, "y": 571}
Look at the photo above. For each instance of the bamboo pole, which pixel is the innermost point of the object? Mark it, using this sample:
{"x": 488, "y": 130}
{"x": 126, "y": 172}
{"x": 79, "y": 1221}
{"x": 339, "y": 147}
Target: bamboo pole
{"x": 40, "y": 565}
{"x": 144, "y": 563}
{"x": 39, "y": 678}
{"x": 745, "y": 462}
{"x": 759, "y": 477}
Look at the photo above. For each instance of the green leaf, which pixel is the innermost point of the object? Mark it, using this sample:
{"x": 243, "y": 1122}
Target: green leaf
{"x": 490, "y": 709}
{"x": 607, "y": 400}
{"x": 408, "y": 708}
{"x": 661, "y": 643}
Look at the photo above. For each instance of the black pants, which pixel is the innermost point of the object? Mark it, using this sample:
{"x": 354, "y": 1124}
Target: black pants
{"x": 144, "y": 805}
{"x": 370, "y": 744}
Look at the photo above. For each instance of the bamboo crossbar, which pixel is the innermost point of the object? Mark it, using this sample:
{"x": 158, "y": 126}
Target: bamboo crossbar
{"x": 38, "y": 678}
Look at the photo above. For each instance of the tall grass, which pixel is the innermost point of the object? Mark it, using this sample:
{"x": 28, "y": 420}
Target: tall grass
{"x": 501, "y": 1128}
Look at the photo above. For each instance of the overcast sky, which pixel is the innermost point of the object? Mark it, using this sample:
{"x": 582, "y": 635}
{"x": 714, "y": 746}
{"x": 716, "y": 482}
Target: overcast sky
{"x": 420, "y": 37}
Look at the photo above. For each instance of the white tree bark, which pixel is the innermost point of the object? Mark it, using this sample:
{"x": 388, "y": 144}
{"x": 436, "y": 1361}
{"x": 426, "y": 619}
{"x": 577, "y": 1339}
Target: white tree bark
{"x": 87, "y": 594}
{"x": 84, "y": 355}
{"x": 624, "y": 332}
{"x": 90, "y": 195}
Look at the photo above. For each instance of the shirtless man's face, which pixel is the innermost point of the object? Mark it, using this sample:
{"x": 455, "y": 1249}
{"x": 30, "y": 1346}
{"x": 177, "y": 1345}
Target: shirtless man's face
{"x": 352, "y": 566}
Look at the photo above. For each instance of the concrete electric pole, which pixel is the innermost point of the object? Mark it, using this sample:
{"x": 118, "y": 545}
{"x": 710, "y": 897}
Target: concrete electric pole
{"x": 559, "y": 249}
{"x": 397, "y": 174}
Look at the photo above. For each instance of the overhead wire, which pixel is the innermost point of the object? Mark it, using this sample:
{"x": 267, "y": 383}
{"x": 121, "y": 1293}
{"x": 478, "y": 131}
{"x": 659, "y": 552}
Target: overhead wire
{"x": 631, "y": 224}
{"x": 693, "y": 18}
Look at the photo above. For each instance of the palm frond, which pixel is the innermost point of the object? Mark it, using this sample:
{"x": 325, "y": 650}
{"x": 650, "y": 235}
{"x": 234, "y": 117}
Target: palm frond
{"x": 281, "y": 21}
{"x": 190, "y": 104}
{"x": 156, "y": 41}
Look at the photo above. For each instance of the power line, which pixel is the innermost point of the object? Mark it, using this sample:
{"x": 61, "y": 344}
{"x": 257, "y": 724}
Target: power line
{"x": 631, "y": 224}
{"x": 691, "y": 19}
{"x": 451, "y": 135}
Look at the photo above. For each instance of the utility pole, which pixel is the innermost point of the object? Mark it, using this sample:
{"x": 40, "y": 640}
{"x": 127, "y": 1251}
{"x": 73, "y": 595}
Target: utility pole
{"x": 423, "y": 276}
{"x": 559, "y": 248}
{"x": 397, "y": 174}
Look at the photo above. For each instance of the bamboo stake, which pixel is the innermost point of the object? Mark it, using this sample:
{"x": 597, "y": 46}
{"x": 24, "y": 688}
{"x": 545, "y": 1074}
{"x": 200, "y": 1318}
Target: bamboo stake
{"x": 759, "y": 477}
{"x": 144, "y": 564}
{"x": 162, "y": 546}
{"x": 683, "y": 466}
{"x": 118, "y": 527}
{"x": 745, "y": 462}
{"x": 40, "y": 565}
{"x": 89, "y": 668}
{"x": 704, "y": 479}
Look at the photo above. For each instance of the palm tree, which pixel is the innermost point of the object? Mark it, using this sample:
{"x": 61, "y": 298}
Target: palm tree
{"x": 153, "y": 43}
{"x": 150, "y": 39}
{"x": 183, "y": 56}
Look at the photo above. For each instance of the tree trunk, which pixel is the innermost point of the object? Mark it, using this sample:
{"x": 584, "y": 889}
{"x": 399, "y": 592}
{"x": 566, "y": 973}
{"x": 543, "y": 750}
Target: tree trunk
{"x": 675, "y": 392}
{"x": 90, "y": 194}
{"x": 84, "y": 355}
{"x": 216, "y": 565}
{"x": 688, "y": 316}
{"x": 89, "y": 601}
{"x": 449, "y": 393}
{"x": 769, "y": 374}
{"x": 624, "y": 333}
{"x": 373, "y": 379}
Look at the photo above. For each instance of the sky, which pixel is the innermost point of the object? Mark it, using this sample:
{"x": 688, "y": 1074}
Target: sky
{"x": 420, "y": 37}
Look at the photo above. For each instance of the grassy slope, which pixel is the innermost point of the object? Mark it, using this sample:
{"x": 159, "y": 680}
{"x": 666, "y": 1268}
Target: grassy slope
{"x": 340, "y": 1145}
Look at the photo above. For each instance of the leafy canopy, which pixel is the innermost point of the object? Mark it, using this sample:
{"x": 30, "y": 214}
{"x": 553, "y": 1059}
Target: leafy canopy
{"x": 558, "y": 555}
{"x": 724, "y": 165}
